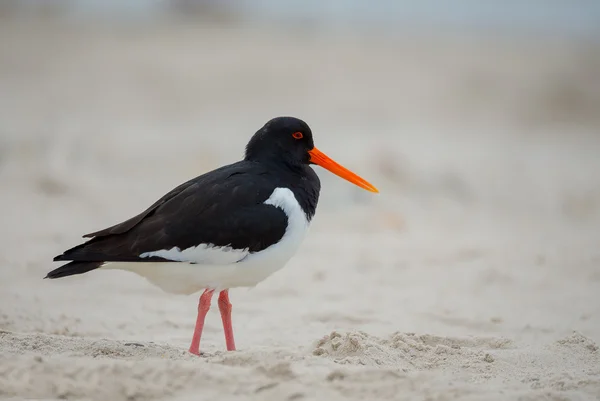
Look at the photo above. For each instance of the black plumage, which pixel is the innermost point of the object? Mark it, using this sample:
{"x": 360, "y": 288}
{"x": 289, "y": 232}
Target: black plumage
{"x": 224, "y": 207}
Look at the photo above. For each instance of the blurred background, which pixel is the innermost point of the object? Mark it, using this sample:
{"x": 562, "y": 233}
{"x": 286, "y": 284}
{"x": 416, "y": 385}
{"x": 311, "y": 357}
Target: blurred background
{"x": 479, "y": 121}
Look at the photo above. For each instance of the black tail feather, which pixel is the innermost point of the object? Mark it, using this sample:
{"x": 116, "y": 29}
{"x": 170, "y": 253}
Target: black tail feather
{"x": 73, "y": 268}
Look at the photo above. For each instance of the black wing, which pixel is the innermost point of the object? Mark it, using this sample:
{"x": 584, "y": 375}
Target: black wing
{"x": 224, "y": 207}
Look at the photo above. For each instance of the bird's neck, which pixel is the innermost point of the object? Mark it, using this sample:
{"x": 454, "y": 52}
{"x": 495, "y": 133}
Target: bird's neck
{"x": 301, "y": 179}
{"x": 277, "y": 162}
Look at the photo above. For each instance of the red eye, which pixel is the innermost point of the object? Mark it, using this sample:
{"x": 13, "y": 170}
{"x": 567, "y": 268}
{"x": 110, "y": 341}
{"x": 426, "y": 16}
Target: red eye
{"x": 298, "y": 135}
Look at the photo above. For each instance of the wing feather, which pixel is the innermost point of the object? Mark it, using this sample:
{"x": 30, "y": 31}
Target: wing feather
{"x": 224, "y": 208}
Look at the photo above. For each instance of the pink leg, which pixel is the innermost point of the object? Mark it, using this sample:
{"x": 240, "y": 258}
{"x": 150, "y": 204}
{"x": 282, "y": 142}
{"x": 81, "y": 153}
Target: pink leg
{"x": 225, "y": 309}
{"x": 203, "y": 307}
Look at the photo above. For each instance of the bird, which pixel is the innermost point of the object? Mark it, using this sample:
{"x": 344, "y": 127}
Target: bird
{"x": 231, "y": 227}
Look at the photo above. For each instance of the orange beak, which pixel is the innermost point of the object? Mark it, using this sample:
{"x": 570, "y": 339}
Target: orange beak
{"x": 321, "y": 159}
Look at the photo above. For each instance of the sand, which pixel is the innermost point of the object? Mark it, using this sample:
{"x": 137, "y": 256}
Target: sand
{"x": 473, "y": 275}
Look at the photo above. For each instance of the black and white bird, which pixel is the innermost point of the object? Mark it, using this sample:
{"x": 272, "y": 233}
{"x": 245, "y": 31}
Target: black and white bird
{"x": 231, "y": 227}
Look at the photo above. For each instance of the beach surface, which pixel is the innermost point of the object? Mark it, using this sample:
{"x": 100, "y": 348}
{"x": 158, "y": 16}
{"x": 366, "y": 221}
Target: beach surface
{"x": 473, "y": 275}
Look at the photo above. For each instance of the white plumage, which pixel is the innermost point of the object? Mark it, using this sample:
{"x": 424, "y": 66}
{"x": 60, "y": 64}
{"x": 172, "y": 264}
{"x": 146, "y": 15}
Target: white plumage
{"x": 201, "y": 254}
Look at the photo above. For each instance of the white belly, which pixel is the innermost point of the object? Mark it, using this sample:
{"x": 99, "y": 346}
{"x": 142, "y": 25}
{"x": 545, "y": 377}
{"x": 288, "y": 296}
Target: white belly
{"x": 206, "y": 266}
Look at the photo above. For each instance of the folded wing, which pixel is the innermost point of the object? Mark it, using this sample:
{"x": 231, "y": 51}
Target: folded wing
{"x": 217, "y": 218}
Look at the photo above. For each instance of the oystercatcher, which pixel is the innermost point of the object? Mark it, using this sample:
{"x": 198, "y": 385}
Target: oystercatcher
{"x": 231, "y": 227}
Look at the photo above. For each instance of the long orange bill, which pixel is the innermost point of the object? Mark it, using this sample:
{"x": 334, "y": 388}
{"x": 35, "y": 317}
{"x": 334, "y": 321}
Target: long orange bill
{"x": 320, "y": 158}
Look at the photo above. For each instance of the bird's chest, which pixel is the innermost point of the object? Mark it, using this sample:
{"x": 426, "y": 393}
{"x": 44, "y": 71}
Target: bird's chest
{"x": 296, "y": 228}
{"x": 258, "y": 266}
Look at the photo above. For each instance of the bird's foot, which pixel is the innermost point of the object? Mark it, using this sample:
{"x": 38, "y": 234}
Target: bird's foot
{"x": 197, "y": 353}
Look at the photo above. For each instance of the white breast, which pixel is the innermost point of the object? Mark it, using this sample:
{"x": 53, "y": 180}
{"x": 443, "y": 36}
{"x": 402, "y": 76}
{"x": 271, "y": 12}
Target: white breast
{"x": 258, "y": 266}
{"x": 224, "y": 267}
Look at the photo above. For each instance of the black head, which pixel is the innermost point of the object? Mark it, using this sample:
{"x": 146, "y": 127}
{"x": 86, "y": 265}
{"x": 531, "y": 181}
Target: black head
{"x": 285, "y": 139}
{"x": 289, "y": 140}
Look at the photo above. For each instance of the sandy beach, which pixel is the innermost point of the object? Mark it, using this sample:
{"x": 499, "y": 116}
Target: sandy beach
{"x": 473, "y": 275}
